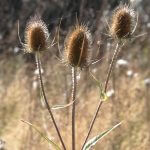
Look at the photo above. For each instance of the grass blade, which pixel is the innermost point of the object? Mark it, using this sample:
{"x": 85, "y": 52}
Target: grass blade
{"x": 95, "y": 139}
{"x": 42, "y": 135}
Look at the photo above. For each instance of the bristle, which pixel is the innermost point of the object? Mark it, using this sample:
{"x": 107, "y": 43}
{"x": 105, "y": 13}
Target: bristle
{"x": 122, "y": 22}
{"x": 77, "y": 46}
{"x": 36, "y": 35}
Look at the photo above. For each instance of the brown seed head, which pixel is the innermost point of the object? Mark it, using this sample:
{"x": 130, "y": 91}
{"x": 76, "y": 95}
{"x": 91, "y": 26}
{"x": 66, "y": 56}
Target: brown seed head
{"x": 36, "y": 35}
{"x": 77, "y": 46}
{"x": 122, "y": 22}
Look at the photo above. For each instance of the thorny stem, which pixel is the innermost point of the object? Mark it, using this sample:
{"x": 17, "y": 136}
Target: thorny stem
{"x": 74, "y": 82}
{"x": 45, "y": 99}
{"x": 111, "y": 66}
{"x": 105, "y": 89}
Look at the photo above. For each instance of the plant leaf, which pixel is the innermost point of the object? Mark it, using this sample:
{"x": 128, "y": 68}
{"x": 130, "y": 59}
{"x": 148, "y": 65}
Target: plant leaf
{"x": 61, "y": 106}
{"x": 95, "y": 139}
{"x": 95, "y": 79}
{"x": 102, "y": 94}
{"x": 42, "y": 135}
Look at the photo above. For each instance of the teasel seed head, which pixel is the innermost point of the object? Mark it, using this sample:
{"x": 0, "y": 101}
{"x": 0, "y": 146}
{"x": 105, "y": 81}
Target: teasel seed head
{"x": 122, "y": 23}
{"x": 36, "y": 35}
{"x": 77, "y": 47}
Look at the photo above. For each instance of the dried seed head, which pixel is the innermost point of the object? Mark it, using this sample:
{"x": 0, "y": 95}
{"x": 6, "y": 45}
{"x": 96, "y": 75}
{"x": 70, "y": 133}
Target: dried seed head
{"x": 122, "y": 22}
{"x": 77, "y": 46}
{"x": 36, "y": 35}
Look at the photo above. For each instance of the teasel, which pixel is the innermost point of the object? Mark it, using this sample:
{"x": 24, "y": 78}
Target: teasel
{"x": 77, "y": 54}
{"x": 36, "y": 41}
{"x": 122, "y": 22}
{"x": 36, "y": 35}
{"x": 77, "y": 47}
{"x": 121, "y": 27}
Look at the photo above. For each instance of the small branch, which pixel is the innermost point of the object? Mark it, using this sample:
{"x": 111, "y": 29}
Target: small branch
{"x": 45, "y": 99}
{"x": 105, "y": 89}
{"x": 74, "y": 82}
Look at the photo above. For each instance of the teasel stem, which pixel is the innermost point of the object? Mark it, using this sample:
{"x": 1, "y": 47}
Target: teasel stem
{"x": 74, "y": 83}
{"x": 45, "y": 99}
{"x": 111, "y": 66}
{"x": 105, "y": 89}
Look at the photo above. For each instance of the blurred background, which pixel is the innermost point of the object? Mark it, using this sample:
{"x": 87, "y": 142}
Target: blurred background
{"x": 129, "y": 87}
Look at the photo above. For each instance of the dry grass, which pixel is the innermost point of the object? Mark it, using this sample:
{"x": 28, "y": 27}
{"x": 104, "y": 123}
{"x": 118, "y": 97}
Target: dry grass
{"x": 21, "y": 101}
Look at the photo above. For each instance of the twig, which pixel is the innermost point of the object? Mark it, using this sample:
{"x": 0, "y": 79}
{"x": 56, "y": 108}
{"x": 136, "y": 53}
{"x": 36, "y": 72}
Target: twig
{"x": 46, "y": 102}
{"x": 105, "y": 89}
{"x": 73, "y": 107}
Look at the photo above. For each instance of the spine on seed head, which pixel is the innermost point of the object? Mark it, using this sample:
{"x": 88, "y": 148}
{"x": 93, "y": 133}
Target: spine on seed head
{"x": 122, "y": 22}
{"x": 77, "y": 46}
{"x": 36, "y": 35}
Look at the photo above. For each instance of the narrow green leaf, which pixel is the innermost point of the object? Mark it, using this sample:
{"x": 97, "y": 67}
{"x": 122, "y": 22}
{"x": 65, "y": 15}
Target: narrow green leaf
{"x": 96, "y": 80}
{"x": 102, "y": 94}
{"x": 62, "y": 106}
{"x": 95, "y": 139}
{"x": 42, "y": 135}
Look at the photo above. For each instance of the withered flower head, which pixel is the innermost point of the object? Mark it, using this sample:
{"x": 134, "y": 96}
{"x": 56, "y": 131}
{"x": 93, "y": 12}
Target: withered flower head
{"x": 36, "y": 35}
{"x": 122, "y": 22}
{"x": 77, "y": 46}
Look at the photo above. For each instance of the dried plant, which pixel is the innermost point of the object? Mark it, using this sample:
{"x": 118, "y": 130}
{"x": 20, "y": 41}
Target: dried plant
{"x": 77, "y": 54}
{"x": 36, "y": 36}
{"x": 120, "y": 28}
